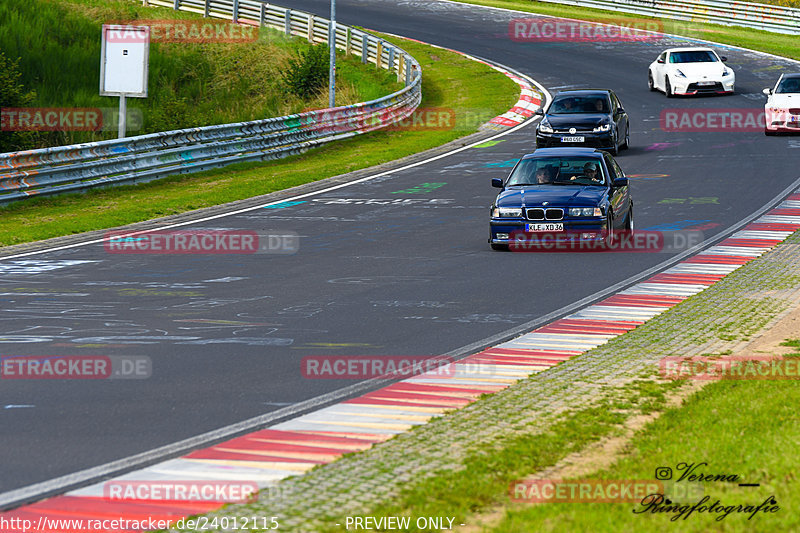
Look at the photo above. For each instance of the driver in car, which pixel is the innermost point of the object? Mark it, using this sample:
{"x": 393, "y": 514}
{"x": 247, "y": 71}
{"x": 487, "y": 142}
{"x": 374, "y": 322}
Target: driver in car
{"x": 590, "y": 171}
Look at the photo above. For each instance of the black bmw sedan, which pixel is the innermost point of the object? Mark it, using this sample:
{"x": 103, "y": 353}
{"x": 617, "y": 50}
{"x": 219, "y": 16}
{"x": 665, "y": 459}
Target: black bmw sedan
{"x": 588, "y": 117}
{"x": 581, "y": 192}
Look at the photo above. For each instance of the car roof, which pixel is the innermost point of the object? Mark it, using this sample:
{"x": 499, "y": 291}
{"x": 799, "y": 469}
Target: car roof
{"x": 568, "y": 151}
{"x": 791, "y": 75}
{"x": 583, "y": 92}
{"x": 690, "y": 49}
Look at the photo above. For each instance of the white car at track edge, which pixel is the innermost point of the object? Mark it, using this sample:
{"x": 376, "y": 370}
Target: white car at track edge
{"x": 687, "y": 71}
{"x": 782, "y": 110}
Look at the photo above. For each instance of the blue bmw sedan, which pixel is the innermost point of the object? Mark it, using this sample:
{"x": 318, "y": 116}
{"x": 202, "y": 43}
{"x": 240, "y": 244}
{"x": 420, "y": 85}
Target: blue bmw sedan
{"x": 580, "y": 191}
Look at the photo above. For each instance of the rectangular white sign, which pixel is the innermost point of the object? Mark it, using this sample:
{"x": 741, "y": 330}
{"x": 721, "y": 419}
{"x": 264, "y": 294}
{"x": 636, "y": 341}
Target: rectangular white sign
{"x": 123, "y": 60}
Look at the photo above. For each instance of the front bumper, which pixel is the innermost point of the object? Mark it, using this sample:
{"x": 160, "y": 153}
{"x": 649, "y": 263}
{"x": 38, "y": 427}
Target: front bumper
{"x": 685, "y": 87}
{"x": 503, "y": 231}
{"x": 602, "y": 141}
{"x": 781, "y": 122}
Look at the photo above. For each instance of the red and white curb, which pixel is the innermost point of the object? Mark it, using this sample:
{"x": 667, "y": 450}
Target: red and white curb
{"x": 293, "y": 447}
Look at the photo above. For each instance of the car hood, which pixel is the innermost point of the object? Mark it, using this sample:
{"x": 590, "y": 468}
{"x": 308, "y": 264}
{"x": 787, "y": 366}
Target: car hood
{"x": 784, "y": 101}
{"x": 555, "y": 195}
{"x": 699, "y": 70}
{"x": 578, "y": 120}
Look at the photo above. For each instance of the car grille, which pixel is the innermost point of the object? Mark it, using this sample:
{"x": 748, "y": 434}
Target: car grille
{"x": 704, "y": 88}
{"x": 537, "y": 213}
{"x": 794, "y": 110}
{"x": 566, "y": 130}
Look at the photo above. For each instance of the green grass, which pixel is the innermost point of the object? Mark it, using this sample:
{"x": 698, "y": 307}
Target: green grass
{"x": 190, "y": 84}
{"x": 773, "y": 43}
{"x": 747, "y": 428}
{"x": 487, "y": 472}
{"x": 472, "y": 90}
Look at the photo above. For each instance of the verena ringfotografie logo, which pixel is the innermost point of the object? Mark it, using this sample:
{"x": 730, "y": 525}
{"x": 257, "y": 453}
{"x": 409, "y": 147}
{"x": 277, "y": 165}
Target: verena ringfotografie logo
{"x": 715, "y": 120}
{"x": 730, "y": 367}
{"x": 67, "y": 119}
{"x": 549, "y": 30}
{"x": 182, "y": 491}
{"x": 202, "y": 242}
{"x": 75, "y": 367}
{"x": 183, "y": 31}
{"x": 587, "y": 240}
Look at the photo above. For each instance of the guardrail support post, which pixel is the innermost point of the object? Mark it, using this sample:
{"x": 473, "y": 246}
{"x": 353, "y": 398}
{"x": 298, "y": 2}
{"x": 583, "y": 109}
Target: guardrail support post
{"x": 408, "y": 73}
{"x": 311, "y": 29}
{"x": 364, "y": 48}
{"x": 263, "y": 14}
{"x": 205, "y": 9}
{"x": 177, "y": 5}
{"x": 235, "y": 11}
{"x": 390, "y": 66}
{"x": 287, "y": 22}
{"x": 379, "y": 55}
{"x": 401, "y": 67}
{"x": 347, "y": 42}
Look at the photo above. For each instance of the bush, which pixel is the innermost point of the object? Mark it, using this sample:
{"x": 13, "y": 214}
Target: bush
{"x": 307, "y": 73}
{"x": 13, "y": 94}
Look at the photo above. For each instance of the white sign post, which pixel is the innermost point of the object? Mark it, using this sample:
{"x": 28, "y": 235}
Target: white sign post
{"x": 123, "y": 65}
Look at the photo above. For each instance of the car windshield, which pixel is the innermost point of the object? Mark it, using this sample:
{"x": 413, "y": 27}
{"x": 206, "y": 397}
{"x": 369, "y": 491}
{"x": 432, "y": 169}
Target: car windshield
{"x": 788, "y": 85}
{"x": 558, "y": 171}
{"x": 693, "y": 56}
{"x": 579, "y": 104}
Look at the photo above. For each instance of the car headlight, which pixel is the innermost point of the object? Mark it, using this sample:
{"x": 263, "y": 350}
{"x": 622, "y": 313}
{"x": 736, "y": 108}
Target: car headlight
{"x": 506, "y": 212}
{"x": 679, "y": 73}
{"x": 726, "y": 72}
{"x": 602, "y": 127}
{"x": 545, "y": 126}
{"x": 585, "y": 212}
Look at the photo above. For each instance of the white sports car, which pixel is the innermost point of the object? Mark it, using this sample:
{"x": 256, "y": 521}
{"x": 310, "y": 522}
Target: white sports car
{"x": 782, "y": 110}
{"x": 690, "y": 71}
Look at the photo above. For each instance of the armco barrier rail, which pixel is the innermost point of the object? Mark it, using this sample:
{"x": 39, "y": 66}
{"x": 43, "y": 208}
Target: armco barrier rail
{"x": 767, "y": 17}
{"x": 142, "y": 158}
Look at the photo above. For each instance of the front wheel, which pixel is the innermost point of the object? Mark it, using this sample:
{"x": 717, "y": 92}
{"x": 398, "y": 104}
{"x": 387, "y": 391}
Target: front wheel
{"x": 629, "y": 219}
{"x": 668, "y": 88}
{"x": 627, "y": 143}
{"x": 609, "y": 238}
{"x": 650, "y": 83}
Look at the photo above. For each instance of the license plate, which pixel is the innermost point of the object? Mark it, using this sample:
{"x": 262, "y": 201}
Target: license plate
{"x": 547, "y": 226}
{"x": 794, "y": 119}
{"x": 572, "y": 139}
{"x": 705, "y": 83}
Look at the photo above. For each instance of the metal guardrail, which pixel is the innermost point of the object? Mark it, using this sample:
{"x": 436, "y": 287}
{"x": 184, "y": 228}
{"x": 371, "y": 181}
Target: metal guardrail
{"x": 767, "y": 17}
{"x": 79, "y": 167}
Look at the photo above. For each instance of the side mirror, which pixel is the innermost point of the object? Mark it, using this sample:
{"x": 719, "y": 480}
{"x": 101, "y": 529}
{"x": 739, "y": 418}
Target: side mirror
{"x": 723, "y": 58}
{"x": 620, "y": 111}
{"x": 539, "y": 111}
{"x": 767, "y": 91}
{"x": 497, "y": 182}
{"x": 659, "y": 60}
{"x": 620, "y": 182}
